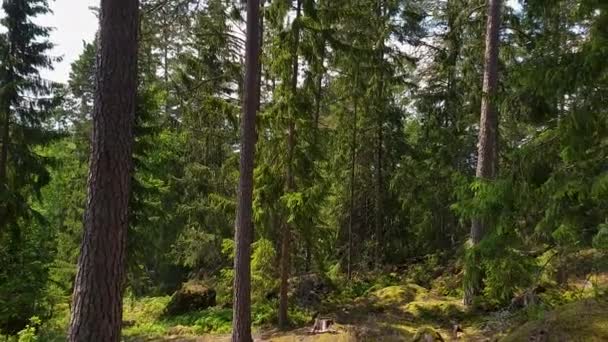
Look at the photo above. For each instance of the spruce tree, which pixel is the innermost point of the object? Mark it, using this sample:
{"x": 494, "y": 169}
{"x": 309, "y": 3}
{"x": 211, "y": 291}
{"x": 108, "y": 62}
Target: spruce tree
{"x": 487, "y": 157}
{"x": 23, "y": 52}
{"x": 26, "y": 101}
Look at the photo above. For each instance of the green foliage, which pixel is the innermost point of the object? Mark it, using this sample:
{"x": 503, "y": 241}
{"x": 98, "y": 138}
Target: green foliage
{"x": 600, "y": 240}
{"x": 149, "y": 321}
{"x": 263, "y": 270}
{"x": 26, "y": 107}
{"x": 215, "y": 320}
{"x": 29, "y": 333}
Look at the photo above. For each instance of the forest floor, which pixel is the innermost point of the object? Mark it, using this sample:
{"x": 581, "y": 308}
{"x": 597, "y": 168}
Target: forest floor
{"x": 404, "y": 312}
{"x": 385, "y": 307}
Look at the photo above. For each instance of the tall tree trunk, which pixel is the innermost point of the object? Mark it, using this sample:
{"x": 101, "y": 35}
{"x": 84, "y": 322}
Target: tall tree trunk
{"x": 5, "y": 142}
{"x": 261, "y": 43}
{"x": 379, "y": 214}
{"x": 166, "y": 42}
{"x": 291, "y": 186}
{"x": 98, "y": 288}
{"x": 353, "y": 165}
{"x": 319, "y": 90}
{"x": 487, "y": 155}
{"x": 243, "y": 235}
{"x": 379, "y": 217}
{"x": 4, "y": 139}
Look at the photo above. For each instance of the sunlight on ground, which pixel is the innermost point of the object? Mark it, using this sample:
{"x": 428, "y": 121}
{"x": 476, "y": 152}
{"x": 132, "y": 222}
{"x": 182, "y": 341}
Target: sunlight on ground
{"x": 583, "y": 321}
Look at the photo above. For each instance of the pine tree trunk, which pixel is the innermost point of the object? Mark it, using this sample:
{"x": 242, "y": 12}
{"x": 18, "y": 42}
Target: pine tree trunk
{"x": 353, "y": 165}
{"x": 261, "y": 43}
{"x": 487, "y": 155}
{"x": 98, "y": 288}
{"x": 4, "y": 139}
{"x": 319, "y": 91}
{"x": 243, "y": 236}
{"x": 5, "y": 142}
{"x": 165, "y": 43}
{"x": 379, "y": 214}
{"x": 291, "y": 186}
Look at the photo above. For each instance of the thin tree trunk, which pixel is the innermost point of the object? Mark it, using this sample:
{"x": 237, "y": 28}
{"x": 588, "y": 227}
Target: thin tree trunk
{"x": 379, "y": 215}
{"x": 98, "y": 288}
{"x": 487, "y": 157}
{"x": 319, "y": 90}
{"x": 5, "y": 137}
{"x": 243, "y": 235}
{"x": 353, "y": 165}
{"x": 5, "y": 143}
{"x": 166, "y": 64}
{"x": 291, "y": 186}
{"x": 308, "y": 252}
{"x": 260, "y": 59}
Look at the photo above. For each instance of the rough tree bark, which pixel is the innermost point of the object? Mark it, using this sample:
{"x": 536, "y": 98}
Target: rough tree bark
{"x": 98, "y": 288}
{"x": 291, "y": 186}
{"x": 243, "y": 235}
{"x": 487, "y": 154}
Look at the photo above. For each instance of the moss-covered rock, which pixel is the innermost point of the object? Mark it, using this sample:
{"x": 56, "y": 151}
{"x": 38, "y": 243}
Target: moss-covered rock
{"x": 427, "y": 334}
{"x": 308, "y": 290}
{"x": 398, "y": 294}
{"x": 585, "y": 320}
{"x": 192, "y": 296}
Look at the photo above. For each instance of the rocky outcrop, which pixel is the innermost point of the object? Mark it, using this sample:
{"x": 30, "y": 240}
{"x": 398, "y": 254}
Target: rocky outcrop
{"x": 192, "y": 296}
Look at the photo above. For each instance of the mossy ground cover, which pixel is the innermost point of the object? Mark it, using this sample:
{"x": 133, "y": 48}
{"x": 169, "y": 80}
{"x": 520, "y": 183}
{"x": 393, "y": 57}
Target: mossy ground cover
{"x": 372, "y": 309}
{"x": 584, "y": 321}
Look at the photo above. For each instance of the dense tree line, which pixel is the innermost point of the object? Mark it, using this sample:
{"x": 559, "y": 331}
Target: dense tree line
{"x": 368, "y": 134}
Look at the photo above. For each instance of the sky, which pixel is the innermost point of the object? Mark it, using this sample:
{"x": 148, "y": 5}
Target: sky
{"x": 74, "y": 23}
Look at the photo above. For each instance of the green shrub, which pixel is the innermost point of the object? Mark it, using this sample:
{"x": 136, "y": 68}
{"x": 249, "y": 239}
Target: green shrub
{"x": 214, "y": 320}
{"x": 29, "y": 334}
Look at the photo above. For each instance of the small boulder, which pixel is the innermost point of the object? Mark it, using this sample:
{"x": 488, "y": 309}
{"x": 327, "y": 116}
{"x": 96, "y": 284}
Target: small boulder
{"x": 308, "y": 290}
{"x": 427, "y": 334}
{"x": 192, "y": 296}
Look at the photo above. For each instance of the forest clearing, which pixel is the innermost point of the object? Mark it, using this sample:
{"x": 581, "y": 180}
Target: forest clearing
{"x": 303, "y": 170}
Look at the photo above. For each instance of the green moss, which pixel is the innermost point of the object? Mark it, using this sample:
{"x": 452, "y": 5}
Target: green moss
{"x": 585, "y": 320}
{"x": 399, "y": 294}
{"x": 144, "y": 309}
{"x": 425, "y": 333}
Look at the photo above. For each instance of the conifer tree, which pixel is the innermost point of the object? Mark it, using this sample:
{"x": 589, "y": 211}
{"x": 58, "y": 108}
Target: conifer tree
{"x": 241, "y": 326}
{"x": 99, "y": 283}
{"x": 23, "y": 49}
{"x": 487, "y": 158}
{"x": 26, "y": 101}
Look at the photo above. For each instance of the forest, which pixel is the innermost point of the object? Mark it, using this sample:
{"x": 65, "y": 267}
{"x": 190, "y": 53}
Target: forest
{"x": 307, "y": 170}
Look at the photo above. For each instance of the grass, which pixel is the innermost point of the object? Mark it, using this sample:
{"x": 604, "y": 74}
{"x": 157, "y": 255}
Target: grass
{"x": 148, "y": 321}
